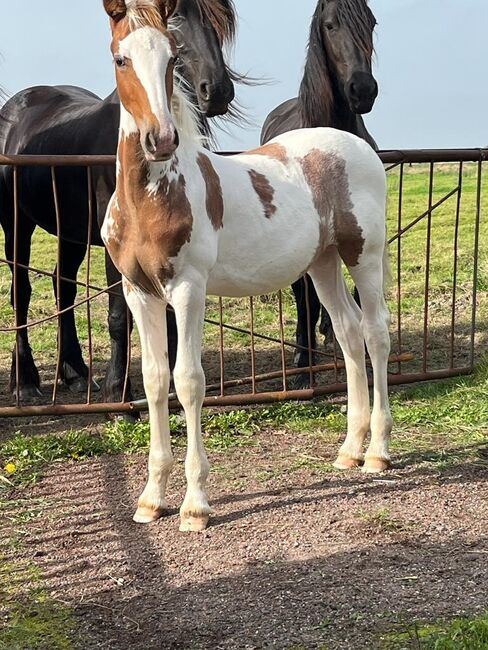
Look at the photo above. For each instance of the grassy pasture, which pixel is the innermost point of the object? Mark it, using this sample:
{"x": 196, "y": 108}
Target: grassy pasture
{"x": 412, "y": 276}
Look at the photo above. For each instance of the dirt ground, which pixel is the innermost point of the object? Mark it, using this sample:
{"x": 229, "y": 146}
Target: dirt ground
{"x": 296, "y": 557}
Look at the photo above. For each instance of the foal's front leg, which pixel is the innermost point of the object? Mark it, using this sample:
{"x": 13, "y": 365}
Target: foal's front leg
{"x": 150, "y": 316}
{"x": 189, "y": 305}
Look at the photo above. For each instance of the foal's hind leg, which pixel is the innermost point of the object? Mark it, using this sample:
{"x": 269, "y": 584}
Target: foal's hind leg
{"x": 149, "y": 314}
{"x": 368, "y": 276}
{"x": 329, "y": 282}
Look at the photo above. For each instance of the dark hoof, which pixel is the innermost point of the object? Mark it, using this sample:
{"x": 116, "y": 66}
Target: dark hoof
{"x": 28, "y": 393}
{"x": 79, "y": 386}
{"x": 300, "y": 382}
{"x": 132, "y": 417}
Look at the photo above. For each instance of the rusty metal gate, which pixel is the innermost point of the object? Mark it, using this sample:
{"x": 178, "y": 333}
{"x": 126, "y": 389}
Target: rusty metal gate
{"x": 439, "y": 299}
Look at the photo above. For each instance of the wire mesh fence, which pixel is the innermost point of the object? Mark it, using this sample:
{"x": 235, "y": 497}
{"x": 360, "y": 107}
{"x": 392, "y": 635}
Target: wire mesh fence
{"x": 438, "y": 298}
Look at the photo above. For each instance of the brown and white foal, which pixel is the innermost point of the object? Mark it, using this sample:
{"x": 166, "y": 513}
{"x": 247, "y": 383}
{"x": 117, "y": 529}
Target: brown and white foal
{"x": 184, "y": 222}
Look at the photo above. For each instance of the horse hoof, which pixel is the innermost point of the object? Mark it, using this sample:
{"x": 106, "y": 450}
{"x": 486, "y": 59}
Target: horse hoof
{"x": 79, "y": 386}
{"x": 131, "y": 417}
{"x": 28, "y": 393}
{"x": 145, "y": 515}
{"x": 344, "y": 463}
{"x": 300, "y": 382}
{"x": 374, "y": 465}
{"x": 194, "y": 524}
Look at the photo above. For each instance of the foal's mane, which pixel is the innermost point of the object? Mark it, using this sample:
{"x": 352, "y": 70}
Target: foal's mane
{"x": 317, "y": 91}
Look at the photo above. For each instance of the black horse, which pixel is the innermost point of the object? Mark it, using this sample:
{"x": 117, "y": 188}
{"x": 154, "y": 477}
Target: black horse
{"x": 337, "y": 87}
{"x": 68, "y": 120}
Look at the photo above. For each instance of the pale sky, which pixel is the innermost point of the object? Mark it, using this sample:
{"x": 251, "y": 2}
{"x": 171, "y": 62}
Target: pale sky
{"x": 431, "y": 62}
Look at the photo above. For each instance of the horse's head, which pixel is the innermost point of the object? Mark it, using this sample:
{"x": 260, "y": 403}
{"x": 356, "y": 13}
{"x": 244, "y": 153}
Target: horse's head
{"x": 347, "y": 28}
{"x": 201, "y": 29}
{"x": 145, "y": 55}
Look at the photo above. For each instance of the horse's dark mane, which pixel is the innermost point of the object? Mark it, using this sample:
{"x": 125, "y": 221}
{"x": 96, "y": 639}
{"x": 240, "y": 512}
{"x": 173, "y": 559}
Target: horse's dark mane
{"x": 222, "y": 16}
{"x": 316, "y": 96}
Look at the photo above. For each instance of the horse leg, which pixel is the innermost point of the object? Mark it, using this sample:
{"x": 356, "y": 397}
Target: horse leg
{"x": 346, "y": 320}
{"x": 172, "y": 338}
{"x": 305, "y": 291}
{"x": 369, "y": 276}
{"x": 119, "y": 327}
{"x": 28, "y": 379}
{"x": 189, "y": 304}
{"x": 74, "y": 371}
{"x": 149, "y": 314}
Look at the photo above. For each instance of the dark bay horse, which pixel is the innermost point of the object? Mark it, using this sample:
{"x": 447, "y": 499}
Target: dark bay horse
{"x": 68, "y": 120}
{"x": 337, "y": 88}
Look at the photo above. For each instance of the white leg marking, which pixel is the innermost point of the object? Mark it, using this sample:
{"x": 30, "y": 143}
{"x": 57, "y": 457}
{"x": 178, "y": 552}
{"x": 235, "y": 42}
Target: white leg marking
{"x": 188, "y": 300}
{"x": 150, "y": 316}
{"x": 345, "y": 316}
{"x": 368, "y": 276}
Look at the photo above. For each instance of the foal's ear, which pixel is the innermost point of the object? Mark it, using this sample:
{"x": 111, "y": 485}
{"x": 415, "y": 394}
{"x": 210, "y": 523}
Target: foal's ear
{"x": 116, "y": 9}
{"x": 167, "y": 8}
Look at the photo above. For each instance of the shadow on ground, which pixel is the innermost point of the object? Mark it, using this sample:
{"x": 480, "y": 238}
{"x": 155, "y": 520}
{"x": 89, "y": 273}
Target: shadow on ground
{"x": 305, "y": 558}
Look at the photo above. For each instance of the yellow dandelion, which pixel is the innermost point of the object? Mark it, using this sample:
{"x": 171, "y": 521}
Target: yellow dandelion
{"x": 10, "y": 468}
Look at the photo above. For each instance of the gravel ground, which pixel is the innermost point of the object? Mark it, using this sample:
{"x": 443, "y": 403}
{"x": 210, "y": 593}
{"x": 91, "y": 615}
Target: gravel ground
{"x": 295, "y": 556}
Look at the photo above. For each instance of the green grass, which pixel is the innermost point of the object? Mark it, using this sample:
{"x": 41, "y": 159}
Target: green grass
{"x": 236, "y": 312}
{"x": 439, "y": 425}
{"x": 31, "y": 619}
{"x": 459, "y": 634}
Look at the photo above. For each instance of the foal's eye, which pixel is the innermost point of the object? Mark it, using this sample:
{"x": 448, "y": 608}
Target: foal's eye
{"x": 329, "y": 27}
{"x": 120, "y": 61}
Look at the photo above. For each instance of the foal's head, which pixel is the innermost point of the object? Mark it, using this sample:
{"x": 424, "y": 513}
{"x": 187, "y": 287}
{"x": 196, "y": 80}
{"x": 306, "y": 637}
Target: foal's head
{"x": 346, "y": 30}
{"x": 145, "y": 55}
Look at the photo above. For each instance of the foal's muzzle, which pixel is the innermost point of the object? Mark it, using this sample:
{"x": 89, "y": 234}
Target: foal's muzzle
{"x": 157, "y": 147}
{"x": 361, "y": 91}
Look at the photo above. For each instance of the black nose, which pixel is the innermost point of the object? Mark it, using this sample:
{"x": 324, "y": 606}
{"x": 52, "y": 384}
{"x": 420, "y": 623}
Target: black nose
{"x": 362, "y": 91}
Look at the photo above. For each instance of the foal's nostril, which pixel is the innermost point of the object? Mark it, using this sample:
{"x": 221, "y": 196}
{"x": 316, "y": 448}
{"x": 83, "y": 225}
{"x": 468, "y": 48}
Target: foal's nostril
{"x": 205, "y": 90}
{"x": 176, "y": 141}
{"x": 151, "y": 144}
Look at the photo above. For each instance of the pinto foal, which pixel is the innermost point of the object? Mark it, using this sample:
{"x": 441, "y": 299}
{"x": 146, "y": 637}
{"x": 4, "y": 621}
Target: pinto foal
{"x": 184, "y": 223}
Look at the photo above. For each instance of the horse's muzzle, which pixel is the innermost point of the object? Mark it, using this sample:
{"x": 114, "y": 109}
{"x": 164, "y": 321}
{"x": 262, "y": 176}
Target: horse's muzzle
{"x": 362, "y": 91}
{"x": 157, "y": 147}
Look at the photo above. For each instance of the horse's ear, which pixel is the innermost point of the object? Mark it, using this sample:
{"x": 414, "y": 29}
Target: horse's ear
{"x": 167, "y": 8}
{"x": 116, "y": 9}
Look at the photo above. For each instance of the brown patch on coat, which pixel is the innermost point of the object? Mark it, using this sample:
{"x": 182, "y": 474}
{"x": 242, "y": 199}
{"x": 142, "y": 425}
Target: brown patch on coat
{"x": 265, "y": 191}
{"x": 274, "y": 150}
{"x": 214, "y": 201}
{"x": 326, "y": 176}
{"x": 151, "y": 228}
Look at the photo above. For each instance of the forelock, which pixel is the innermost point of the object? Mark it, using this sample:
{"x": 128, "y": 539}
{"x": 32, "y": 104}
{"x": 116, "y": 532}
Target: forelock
{"x": 222, "y": 16}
